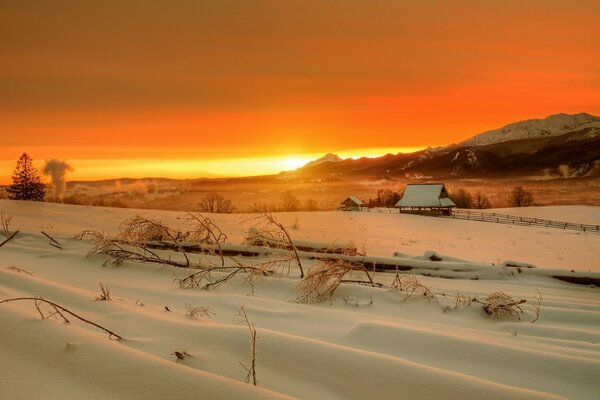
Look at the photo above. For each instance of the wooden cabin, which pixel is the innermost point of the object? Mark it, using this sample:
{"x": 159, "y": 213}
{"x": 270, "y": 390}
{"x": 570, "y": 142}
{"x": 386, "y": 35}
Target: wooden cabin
{"x": 352, "y": 203}
{"x": 426, "y": 198}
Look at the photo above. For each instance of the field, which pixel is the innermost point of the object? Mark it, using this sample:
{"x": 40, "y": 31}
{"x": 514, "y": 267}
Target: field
{"x": 428, "y": 337}
{"x": 325, "y": 194}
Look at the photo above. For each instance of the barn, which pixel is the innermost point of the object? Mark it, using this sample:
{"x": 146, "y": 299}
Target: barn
{"x": 427, "y": 198}
{"x": 352, "y": 203}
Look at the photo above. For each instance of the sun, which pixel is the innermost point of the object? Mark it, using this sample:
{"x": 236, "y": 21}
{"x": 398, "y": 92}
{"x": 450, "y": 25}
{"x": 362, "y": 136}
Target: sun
{"x": 290, "y": 163}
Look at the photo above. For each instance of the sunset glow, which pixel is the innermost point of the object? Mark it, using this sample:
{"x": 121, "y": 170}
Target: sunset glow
{"x": 191, "y": 89}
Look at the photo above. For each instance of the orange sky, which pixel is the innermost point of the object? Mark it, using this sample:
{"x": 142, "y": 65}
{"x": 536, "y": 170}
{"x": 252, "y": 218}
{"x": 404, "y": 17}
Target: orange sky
{"x": 233, "y": 87}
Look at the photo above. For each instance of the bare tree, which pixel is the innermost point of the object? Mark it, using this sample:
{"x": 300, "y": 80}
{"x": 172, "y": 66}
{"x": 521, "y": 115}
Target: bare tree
{"x": 215, "y": 203}
{"x": 481, "y": 201}
{"x": 289, "y": 201}
{"x": 462, "y": 199}
{"x": 519, "y": 197}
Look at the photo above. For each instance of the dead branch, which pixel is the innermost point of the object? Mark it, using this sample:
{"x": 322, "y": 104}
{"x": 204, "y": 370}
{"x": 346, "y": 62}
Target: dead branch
{"x": 207, "y": 233}
{"x": 51, "y": 239}
{"x": 139, "y": 230}
{"x": 269, "y": 232}
{"x": 57, "y": 307}
{"x": 251, "y": 371}
{"x": 8, "y": 239}
{"x": 204, "y": 278}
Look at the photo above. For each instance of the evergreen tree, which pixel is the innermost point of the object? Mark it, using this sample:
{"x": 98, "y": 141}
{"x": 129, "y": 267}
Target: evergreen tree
{"x": 27, "y": 184}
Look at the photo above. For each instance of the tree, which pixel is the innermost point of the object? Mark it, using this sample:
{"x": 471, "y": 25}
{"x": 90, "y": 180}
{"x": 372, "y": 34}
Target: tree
{"x": 481, "y": 201}
{"x": 462, "y": 199}
{"x": 215, "y": 203}
{"x": 519, "y": 197}
{"x": 27, "y": 184}
{"x": 289, "y": 202}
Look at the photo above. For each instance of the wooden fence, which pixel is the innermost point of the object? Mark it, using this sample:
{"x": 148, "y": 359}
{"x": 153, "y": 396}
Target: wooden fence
{"x": 524, "y": 221}
{"x": 500, "y": 219}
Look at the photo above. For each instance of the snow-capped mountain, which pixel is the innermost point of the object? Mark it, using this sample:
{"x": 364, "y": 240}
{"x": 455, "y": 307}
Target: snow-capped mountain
{"x": 554, "y": 125}
{"x": 327, "y": 158}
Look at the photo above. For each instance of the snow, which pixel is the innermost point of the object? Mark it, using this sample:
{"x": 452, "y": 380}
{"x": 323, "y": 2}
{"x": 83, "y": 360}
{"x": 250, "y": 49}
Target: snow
{"x": 379, "y": 346}
{"x": 553, "y": 125}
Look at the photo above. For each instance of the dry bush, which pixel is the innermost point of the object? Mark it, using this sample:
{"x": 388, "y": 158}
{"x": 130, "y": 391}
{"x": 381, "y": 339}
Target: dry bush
{"x": 140, "y": 237}
{"x": 251, "y": 370}
{"x": 459, "y": 301}
{"x": 269, "y": 232}
{"x": 198, "y": 311}
{"x": 324, "y": 278}
{"x": 499, "y": 304}
{"x": 104, "y": 293}
{"x": 410, "y": 285}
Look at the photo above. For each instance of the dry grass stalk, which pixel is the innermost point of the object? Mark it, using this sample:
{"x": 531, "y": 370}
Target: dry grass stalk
{"x": 59, "y": 311}
{"x": 499, "y": 304}
{"x": 19, "y": 270}
{"x": 198, "y": 311}
{"x": 104, "y": 293}
{"x": 410, "y": 285}
{"x": 269, "y": 232}
{"x": 354, "y": 301}
{"x": 324, "y": 278}
{"x": 5, "y": 221}
{"x": 251, "y": 370}
{"x": 459, "y": 301}
{"x": 537, "y": 305}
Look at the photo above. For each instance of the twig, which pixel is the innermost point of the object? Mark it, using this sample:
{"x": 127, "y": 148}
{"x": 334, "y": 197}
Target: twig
{"x": 19, "y": 270}
{"x": 111, "y": 334}
{"x": 50, "y": 237}
{"x": 252, "y": 370}
{"x": 8, "y": 239}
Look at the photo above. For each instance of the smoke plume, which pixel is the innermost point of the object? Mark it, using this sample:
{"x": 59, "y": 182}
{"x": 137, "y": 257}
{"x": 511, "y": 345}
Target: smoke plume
{"x": 57, "y": 170}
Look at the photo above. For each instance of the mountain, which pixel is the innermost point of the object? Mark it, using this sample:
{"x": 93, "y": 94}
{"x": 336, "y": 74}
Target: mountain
{"x": 554, "y": 125}
{"x": 561, "y": 145}
{"x": 327, "y": 158}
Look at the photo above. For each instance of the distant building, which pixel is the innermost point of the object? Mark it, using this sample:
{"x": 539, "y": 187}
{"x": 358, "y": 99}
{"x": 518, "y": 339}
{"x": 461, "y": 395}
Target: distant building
{"x": 352, "y": 203}
{"x": 428, "y": 198}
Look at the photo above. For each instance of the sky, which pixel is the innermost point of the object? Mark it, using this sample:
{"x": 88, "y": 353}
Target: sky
{"x": 235, "y": 87}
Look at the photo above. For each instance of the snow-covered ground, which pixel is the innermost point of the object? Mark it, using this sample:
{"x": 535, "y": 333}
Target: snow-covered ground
{"x": 375, "y": 344}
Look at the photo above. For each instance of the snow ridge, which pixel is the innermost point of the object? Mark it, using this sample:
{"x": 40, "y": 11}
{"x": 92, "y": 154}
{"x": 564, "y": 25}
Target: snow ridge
{"x": 554, "y": 125}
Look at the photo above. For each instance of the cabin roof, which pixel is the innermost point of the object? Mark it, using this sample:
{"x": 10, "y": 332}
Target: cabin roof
{"x": 425, "y": 195}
